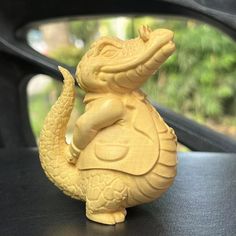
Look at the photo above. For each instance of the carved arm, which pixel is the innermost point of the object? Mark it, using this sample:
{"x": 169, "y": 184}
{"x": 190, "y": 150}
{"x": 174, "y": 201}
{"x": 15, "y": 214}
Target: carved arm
{"x": 101, "y": 114}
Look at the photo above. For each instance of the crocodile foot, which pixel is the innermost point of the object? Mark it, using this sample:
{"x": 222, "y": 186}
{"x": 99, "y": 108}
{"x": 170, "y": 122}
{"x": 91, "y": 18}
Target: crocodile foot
{"x": 109, "y": 218}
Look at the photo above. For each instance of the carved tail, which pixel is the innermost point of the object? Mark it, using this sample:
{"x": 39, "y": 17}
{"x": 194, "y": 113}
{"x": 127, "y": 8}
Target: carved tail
{"x": 52, "y": 144}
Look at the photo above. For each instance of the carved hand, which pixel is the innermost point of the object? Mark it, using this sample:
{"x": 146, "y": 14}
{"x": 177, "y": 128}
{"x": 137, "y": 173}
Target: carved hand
{"x": 73, "y": 154}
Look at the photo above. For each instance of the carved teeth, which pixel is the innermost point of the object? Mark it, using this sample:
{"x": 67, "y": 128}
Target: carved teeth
{"x": 139, "y": 71}
{"x": 142, "y": 71}
{"x": 133, "y": 75}
{"x": 151, "y": 65}
{"x": 123, "y": 80}
{"x": 160, "y": 57}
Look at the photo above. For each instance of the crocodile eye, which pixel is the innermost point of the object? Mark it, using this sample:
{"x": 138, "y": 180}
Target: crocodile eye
{"x": 90, "y": 53}
{"x": 108, "y": 51}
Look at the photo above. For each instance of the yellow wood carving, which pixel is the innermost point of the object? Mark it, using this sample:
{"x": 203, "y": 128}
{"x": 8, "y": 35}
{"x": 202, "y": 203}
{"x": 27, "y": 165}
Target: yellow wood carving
{"x": 122, "y": 153}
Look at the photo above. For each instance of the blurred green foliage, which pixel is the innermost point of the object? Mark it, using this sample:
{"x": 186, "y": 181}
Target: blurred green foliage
{"x": 40, "y": 103}
{"x": 69, "y": 55}
{"x": 198, "y": 81}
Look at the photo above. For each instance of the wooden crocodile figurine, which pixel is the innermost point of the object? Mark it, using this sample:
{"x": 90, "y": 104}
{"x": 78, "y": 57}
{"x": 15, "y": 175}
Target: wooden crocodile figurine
{"x": 122, "y": 153}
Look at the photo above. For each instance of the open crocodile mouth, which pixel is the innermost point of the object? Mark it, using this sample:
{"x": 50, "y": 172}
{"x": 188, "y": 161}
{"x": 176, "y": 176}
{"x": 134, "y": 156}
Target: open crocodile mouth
{"x": 125, "y": 73}
{"x": 146, "y": 64}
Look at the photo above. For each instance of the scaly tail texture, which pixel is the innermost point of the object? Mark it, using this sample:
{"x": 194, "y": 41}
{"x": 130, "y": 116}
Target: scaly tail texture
{"x": 52, "y": 144}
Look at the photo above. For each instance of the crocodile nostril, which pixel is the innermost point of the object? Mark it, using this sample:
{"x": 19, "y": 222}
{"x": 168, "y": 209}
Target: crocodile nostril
{"x": 144, "y": 33}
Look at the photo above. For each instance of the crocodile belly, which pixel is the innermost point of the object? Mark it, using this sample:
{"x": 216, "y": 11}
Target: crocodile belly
{"x": 120, "y": 148}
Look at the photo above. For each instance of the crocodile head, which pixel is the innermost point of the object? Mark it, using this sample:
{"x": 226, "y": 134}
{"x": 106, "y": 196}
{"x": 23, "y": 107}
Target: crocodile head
{"x": 114, "y": 65}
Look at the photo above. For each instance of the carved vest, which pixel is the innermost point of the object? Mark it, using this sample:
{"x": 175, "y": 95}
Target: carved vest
{"x": 131, "y": 145}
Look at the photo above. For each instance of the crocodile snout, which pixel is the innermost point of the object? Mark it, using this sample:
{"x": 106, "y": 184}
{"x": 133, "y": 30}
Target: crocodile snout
{"x": 146, "y": 34}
